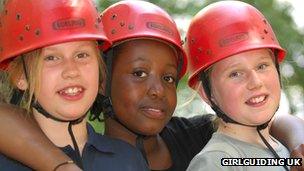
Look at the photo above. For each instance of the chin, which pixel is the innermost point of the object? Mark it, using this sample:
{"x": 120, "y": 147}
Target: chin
{"x": 72, "y": 114}
{"x": 260, "y": 122}
{"x": 153, "y": 130}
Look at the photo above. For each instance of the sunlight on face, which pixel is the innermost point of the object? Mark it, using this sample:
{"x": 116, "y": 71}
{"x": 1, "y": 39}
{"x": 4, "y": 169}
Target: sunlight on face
{"x": 69, "y": 78}
{"x": 246, "y": 86}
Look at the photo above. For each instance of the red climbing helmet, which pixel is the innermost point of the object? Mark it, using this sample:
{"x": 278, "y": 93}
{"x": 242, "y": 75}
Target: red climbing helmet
{"x": 33, "y": 24}
{"x": 224, "y": 29}
{"x": 139, "y": 19}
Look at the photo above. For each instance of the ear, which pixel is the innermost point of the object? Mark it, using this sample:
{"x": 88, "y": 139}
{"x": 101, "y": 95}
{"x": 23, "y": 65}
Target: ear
{"x": 22, "y": 83}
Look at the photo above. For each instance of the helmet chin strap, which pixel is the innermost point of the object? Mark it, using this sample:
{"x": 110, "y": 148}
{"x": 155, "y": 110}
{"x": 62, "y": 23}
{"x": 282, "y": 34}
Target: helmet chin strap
{"x": 42, "y": 111}
{"x": 204, "y": 78}
{"x": 108, "y": 110}
{"x": 107, "y": 106}
{"x": 227, "y": 119}
{"x": 16, "y": 99}
{"x": 106, "y": 103}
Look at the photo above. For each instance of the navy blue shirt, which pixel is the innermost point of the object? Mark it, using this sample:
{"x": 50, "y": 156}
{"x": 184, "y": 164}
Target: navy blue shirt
{"x": 99, "y": 153}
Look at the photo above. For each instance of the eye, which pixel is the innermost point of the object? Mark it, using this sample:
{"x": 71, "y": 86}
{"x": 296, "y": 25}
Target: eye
{"x": 140, "y": 74}
{"x": 235, "y": 74}
{"x": 51, "y": 58}
{"x": 170, "y": 79}
{"x": 82, "y": 55}
{"x": 262, "y": 66}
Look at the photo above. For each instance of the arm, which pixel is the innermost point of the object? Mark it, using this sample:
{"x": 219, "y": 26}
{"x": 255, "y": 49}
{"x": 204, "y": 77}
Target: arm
{"x": 23, "y": 140}
{"x": 289, "y": 130}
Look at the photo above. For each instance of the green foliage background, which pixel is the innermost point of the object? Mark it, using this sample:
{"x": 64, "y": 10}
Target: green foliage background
{"x": 279, "y": 15}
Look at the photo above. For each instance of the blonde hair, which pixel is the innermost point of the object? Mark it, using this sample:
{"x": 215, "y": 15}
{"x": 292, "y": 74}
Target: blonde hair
{"x": 31, "y": 63}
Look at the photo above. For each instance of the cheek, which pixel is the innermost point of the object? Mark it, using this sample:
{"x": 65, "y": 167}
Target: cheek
{"x": 227, "y": 96}
{"x": 273, "y": 85}
{"x": 125, "y": 100}
{"x": 48, "y": 81}
{"x": 91, "y": 75}
{"x": 124, "y": 94}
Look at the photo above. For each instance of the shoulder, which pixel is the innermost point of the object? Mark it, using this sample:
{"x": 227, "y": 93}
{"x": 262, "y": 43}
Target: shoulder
{"x": 198, "y": 129}
{"x": 208, "y": 160}
{"x": 102, "y": 151}
{"x": 213, "y": 156}
{"x": 185, "y": 137}
{"x": 200, "y": 124}
{"x": 221, "y": 144}
{"x": 282, "y": 151}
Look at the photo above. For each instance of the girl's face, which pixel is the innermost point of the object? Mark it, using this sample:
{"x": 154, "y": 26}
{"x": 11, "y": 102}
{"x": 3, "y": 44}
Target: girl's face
{"x": 69, "y": 78}
{"x": 246, "y": 86}
{"x": 143, "y": 85}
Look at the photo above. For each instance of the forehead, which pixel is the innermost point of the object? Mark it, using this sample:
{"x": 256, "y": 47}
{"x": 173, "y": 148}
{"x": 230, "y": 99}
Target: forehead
{"x": 76, "y": 44}
{"x": 148, "y": 49}
{"x": 246, "y": 57}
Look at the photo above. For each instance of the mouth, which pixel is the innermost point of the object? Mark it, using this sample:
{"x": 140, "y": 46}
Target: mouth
{"x": 153, "y": 113}
{"x": 72, "y": 92}
{"x": 257, "y": 100}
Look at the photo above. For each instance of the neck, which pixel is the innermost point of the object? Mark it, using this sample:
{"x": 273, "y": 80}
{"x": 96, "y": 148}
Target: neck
{"x": 58, "y": 133}
{"x": 157, "y": 152}
{"x": 246, "y": 133}
{"x": 116, "y": 130}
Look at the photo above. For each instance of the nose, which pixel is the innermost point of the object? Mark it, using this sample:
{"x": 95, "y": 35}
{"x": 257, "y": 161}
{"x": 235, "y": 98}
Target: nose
{"x": 70, "y": 70}
{"x": 254, "y": 81}
{"x": 156, "y": 88}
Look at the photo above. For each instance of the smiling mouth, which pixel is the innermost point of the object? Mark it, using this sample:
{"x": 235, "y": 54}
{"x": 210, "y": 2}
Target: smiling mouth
{"x": 71, "y": 91}
{"x": 257, "y": 100}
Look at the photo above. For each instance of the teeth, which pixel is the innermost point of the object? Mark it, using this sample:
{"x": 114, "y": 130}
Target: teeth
{"x": 257, "y": 99}
{"x": 72, "y": 90}
{"x": 154, "y": 110}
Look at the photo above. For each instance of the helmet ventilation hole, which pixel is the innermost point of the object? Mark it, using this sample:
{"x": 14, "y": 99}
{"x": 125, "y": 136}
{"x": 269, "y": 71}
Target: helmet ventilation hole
{"x": 18, "y": 17}
{"x": 114, "y": 16}
{"x": 37, "y": 32}
{"x": 113, "y": 31}
{"x": 200, "y": 50}
{"x": 192, "y": 41}
{"x": 122, "y": 24}
{"x": 21, "y": 37}
{"x": 131, "y": 27}
{"x": 27, "y": 27}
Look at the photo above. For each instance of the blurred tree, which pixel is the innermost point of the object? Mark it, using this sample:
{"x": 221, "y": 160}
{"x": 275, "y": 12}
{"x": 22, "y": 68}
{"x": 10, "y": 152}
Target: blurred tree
{"x": 288, "y": 34}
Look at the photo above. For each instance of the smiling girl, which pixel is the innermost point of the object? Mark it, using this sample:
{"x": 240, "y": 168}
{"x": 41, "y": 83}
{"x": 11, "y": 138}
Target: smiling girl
{"x": 238, "y": 74}
{"x": 53, "y": 58}
{"x": 144, "y": 66}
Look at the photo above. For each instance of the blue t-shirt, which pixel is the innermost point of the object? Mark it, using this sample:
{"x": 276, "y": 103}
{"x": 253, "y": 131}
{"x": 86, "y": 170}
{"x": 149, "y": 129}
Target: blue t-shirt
{"x": 100, "y": 153}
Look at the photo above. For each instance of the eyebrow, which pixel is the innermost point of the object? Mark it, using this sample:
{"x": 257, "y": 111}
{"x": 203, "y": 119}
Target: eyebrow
{"x": 173, "y": 66}
{"x": 144, "y": 60}
{"x": 82, "y": 44}
{"x": 139, "y": 59}
{"x": 230, "y": 67}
